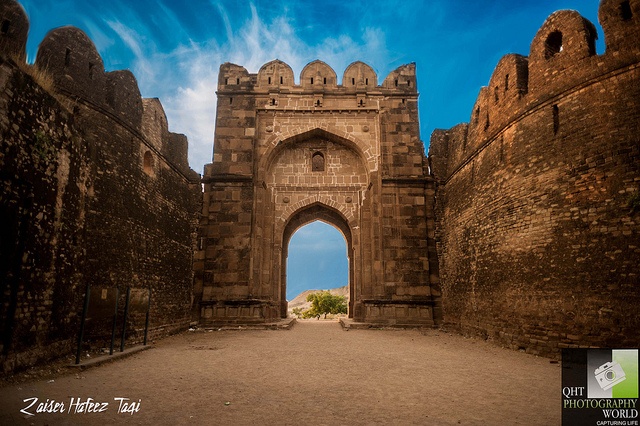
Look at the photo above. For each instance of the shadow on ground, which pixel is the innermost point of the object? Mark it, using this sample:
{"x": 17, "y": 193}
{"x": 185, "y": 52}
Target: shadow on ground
{"x": 315, "y": 373}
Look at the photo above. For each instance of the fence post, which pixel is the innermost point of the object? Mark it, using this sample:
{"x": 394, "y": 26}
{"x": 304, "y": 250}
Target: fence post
{"x": 146, "y": 320}
{"x": 115, "y": 321}
{"x": 124, "y": 320}
{"x": 85, "y": 308}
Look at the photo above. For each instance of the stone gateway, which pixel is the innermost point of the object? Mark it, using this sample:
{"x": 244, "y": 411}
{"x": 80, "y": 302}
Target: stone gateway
{"x": 287, "y": 154}
{"x": 521, "y": 226}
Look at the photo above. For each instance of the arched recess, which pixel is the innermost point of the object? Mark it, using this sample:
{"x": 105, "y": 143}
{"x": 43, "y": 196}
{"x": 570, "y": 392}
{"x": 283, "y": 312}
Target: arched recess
{"x": 305, "y": 215}
{"x": 277, "y": 143}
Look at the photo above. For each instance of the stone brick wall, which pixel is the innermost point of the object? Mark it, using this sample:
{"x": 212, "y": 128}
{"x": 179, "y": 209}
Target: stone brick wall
{"x": 521, "y": 227}
{"x": 285, "y": 155}
{"x": 537, "y": 196}
{"x": 95, "y": 190}
{"x": 44, "y": 176}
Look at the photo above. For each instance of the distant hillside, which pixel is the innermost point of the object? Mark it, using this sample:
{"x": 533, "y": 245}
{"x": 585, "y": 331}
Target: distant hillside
{"x": 300, "y": 301}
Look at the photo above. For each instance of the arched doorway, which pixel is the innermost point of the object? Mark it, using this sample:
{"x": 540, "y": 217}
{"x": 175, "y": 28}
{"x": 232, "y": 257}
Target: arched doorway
{"x": 305, "y": 216}
{"x": 317, "y": 260}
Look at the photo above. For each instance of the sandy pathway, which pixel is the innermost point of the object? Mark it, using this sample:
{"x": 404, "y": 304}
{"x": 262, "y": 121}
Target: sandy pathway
{"x": 314, "y": 374}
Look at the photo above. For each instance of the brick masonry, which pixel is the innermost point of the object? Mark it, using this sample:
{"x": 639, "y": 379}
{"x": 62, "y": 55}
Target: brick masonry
{"x": 95, "y": 190}
{"x": 537, "y": 197}
{"x": 286, "y": 154}
{"x": 521, "y": 226}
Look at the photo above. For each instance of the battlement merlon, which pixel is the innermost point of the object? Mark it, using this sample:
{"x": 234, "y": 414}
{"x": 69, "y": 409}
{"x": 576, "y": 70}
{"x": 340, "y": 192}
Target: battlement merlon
{"x": 15, "y": 29}
{"x": 562, "y": 59}
{"x": 72, "y": 61}
{"x": 277, "y": 78}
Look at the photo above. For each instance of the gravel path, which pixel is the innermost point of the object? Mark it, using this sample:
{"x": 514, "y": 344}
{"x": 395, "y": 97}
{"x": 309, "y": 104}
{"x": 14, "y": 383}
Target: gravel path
{"x": 313, "y": 374}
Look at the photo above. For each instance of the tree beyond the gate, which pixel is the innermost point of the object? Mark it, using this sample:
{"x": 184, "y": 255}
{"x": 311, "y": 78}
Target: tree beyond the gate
{"x": 323, "y": 303}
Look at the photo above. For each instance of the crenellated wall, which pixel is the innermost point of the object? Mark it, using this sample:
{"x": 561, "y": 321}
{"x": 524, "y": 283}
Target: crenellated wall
{"x": 537, "y": 199}
{"x": 95, "y": 189}
{"x": 532, "y": 242}
{"x": 347, "y": 152}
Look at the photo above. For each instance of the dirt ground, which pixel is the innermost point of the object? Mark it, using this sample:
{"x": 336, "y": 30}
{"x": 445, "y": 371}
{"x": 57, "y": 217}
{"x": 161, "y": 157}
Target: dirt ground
{"x": 314, "y": 374}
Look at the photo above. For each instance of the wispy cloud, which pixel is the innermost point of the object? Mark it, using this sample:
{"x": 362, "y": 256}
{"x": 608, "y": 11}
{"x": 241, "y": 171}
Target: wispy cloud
{"x": 98, "y": 36}
{"x": 143, "y": 67}
{"x": 185, "y": 79}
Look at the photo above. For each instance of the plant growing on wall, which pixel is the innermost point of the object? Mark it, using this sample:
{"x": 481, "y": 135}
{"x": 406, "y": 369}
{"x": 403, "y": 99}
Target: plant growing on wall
{"x": 43, "y": 146}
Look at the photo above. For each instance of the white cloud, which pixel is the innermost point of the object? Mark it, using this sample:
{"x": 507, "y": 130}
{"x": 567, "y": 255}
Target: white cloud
{"x": 101, "y": 40}
{"x": 185, "y": 79}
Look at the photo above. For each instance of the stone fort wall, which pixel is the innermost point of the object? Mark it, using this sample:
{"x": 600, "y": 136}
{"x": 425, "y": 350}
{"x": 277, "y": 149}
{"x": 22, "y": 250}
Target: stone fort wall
{"x": 538, "y": 196}
{"x": 95, "y": 190}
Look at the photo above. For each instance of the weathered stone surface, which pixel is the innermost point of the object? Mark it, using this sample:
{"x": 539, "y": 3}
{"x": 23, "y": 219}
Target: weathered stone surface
{"x": 94, "y": 189}
{"x": 348, "y": 154}
{"x": 537, "y": 233}
{"x": 537, "y": 198}
{"x": 14, "y": 27}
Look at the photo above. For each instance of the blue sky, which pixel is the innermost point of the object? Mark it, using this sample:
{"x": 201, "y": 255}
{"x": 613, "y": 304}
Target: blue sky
{"x": 317, "y": 259}
{"x": 175, "y": 47}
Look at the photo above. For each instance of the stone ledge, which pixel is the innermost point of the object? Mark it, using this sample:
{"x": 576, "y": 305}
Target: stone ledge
{"x": 318, "y": 109}
{"x": 284, "y": 324}
{"x": 349, "y": 324}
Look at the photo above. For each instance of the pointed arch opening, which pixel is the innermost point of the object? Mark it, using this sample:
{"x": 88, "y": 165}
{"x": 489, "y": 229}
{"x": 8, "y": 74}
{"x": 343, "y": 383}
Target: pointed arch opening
{"x": 147, "y": 163}
{"x": 553, "y": 44}
{"x": 317, "y": 261}
{"x": 309, "y": 215}
{"x": 317, "y": 162}
{"x": 364, "y": 157}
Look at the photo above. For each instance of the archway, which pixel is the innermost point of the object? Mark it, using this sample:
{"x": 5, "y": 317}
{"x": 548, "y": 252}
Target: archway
{"x": 317, "y": 259}
{"x": 305, "y": 216}
{"x": 279, "y": 165}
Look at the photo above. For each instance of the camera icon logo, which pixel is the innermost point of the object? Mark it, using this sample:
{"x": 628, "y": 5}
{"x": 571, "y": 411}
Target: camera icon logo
{"x": 609, "y": 374}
